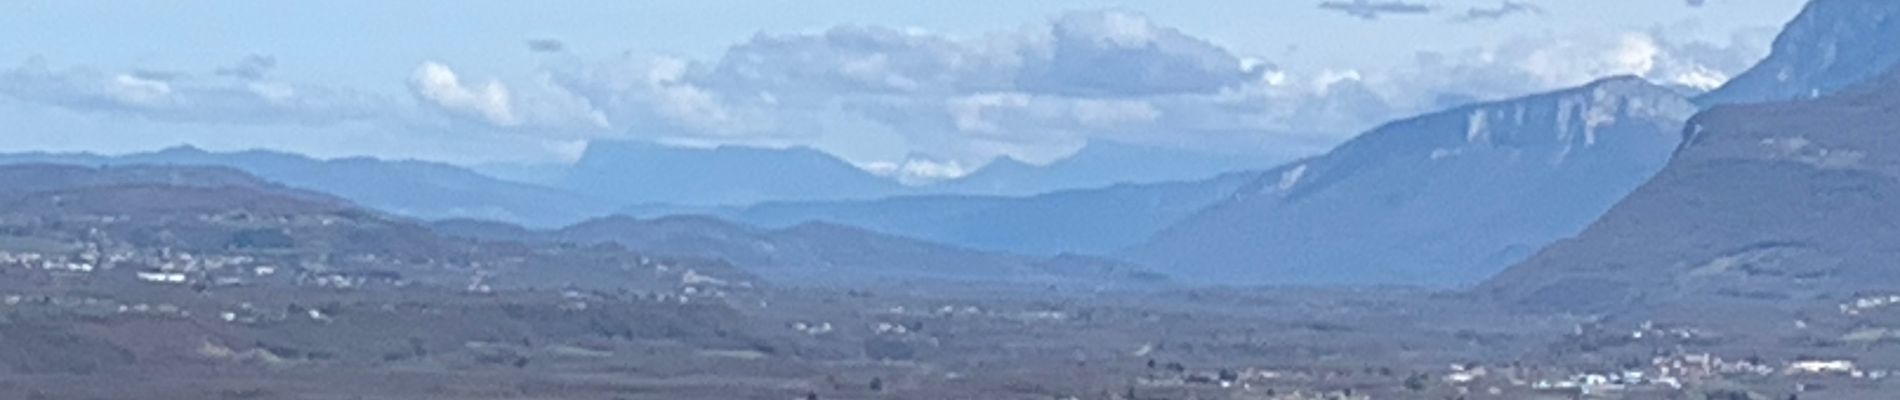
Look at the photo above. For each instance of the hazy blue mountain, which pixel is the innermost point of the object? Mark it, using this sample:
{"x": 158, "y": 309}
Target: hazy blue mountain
{"x": 631, "y": 173}
{"x": 1442, "y": 199}
{"x": 643, "y": 174}
{"x": 410, "y": 188}
{"x": 818, "y": 253}
{"x": 1831, "y": 45}
{"x": 1101, "y": 164}
{"x": 1765, "y": 203}
{"x": 549, "y": 174}
{"x": 1091, "y": 221}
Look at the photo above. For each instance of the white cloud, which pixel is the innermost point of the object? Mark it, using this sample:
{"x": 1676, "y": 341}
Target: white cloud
{"x": 1038, "y": 91}
{"x": 1540, "y": 63}
{"x": 222, "y": 98}
{"x": 439, "y": 85}
{"x": 917, "y": 171}
{"x": 539, "y": 107}
{"x": 1031, "y": 91}
{"x": 879, "y": 94}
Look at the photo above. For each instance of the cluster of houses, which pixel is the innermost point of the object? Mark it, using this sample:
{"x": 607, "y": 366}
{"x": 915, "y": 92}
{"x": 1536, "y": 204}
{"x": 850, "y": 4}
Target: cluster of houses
{"x": 93, "y": 306}
{"x": 83, "y": 262}
{"x": 167, "y": 266}
{"x": 1675, "y": 371}
{"x": 1600, "y": 383}
{"x": 1869, "y": 303}
{"x": 247, "y": 313}
{"x": 1651, "y": 330}
{"x": 161, "y": 266}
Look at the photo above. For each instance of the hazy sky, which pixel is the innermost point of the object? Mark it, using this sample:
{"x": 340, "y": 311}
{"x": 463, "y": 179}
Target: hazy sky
{"x": 949, "y": 81}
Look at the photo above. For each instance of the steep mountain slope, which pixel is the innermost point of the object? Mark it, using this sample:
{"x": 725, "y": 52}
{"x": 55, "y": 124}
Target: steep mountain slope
{"x": 1089, "y": 221}
{"x": 1101, "y": 164}
{"x": 410, "y": 188}
{"x": 632, "y": 173}
{"x": 815, "y": 253}
{"x": 1767, "y": 202}
{"x": 1442, "y": 199}
{"x": 213, "y": 224}
{"x": 1831, "y": 45}
{"x": 33, "y": 178}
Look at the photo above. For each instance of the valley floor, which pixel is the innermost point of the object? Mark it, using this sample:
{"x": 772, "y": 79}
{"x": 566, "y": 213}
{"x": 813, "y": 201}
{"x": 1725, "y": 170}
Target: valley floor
{"x": 75, "y": 341}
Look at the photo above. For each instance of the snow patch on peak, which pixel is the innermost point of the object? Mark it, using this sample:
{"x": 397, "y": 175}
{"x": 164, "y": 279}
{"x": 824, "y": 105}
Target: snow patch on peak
{"x": 1475, "y": 131}
{"x": 1603, "y": 110}
{"x": 1291, "y": 177}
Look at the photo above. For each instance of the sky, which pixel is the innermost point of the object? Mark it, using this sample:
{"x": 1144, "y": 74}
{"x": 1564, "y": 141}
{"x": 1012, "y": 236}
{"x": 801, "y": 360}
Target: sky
{"x": 928, "y": 87}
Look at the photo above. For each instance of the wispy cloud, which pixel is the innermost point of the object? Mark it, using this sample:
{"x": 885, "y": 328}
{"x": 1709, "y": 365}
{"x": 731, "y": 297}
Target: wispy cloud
{"x": 546, "y": 46}
{"x": 253, "y": 67}
{"x": 1503, "y": 10}
{"x": 1374, "y": 9}
{"x": 233, "y": 95}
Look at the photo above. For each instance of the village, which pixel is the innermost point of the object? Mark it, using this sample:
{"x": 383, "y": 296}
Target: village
{"x": 261, "y": 291}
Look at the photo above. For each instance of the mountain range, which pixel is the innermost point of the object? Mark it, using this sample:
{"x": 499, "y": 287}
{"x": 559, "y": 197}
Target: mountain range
{"x": 1770, "y": 201}
{"x": 1087, "y": 221}
{"x": 1101, "y": 164}
{"x": 1442, "y": 199}
{"x": 818, "y": 254}
{"x": 188, "y": 212}
{"x": 635, "y": 173}
{"x": 410, "y": 188}
{"x": 1765, "y": 202}
{"x": 650, "y": 175}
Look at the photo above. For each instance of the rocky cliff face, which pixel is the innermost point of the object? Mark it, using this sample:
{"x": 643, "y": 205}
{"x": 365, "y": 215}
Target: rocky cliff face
{"x": 1796, "y": 200}
{"x": 1442, "y": 199}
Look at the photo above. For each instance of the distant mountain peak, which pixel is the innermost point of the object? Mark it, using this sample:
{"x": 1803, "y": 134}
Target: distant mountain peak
{"x": 1551, "y": 128}
{"x": 642, "y": 172}
{"x": 1007, "y": 163}
{"x": 1765, "y": 202}
{"x": 1577, "y": 115}
{"x": 1104, "y": 163}
{"x": 182, "y": 149}
{"x": 411, "y": 188}
{"x": 1443, "y": 198}
{"x": 1832, "y": 45}
{"x": 1589, "y": 106}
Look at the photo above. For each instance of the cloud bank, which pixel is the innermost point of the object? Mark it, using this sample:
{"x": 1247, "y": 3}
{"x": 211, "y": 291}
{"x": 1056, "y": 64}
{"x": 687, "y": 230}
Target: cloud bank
{"x": 239, "y": 94}
{"x": 911, "y": 103}
{"x": 1508, "y": 8}
{"x": 1374, "y": 9}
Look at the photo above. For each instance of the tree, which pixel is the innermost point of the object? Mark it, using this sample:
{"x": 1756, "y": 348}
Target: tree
{"x": 1416, "y": 382}
{"x": 262, "y": 239}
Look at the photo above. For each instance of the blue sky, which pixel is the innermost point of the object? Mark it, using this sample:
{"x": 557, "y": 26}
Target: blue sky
{"x": 899, "y": 81}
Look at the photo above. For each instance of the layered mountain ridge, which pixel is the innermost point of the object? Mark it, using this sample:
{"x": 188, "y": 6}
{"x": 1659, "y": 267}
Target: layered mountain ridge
{"x": 1766, "y": 201}
{"x": 410, "y": 188}
{"x": 1441, "y": 199}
